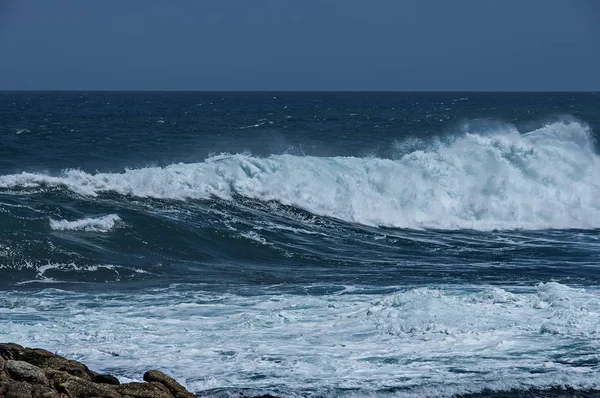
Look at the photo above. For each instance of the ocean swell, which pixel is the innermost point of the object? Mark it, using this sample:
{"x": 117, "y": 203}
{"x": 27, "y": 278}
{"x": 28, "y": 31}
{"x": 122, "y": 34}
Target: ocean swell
{"x": 544, "y": 179}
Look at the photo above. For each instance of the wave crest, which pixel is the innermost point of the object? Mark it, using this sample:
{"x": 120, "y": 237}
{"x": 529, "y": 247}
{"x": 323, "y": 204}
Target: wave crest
{"x": 547, "y": 178}
{"x": 99, "y": 224}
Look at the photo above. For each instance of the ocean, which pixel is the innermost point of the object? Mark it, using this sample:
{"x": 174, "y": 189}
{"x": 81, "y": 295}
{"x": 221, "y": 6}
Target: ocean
{"x": 307, "y": 244}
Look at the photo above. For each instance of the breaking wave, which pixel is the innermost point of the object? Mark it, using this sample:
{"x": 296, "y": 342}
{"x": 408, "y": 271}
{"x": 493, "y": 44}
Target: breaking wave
{"x": 544, "y": 179}
{"x": 99, "y": 224}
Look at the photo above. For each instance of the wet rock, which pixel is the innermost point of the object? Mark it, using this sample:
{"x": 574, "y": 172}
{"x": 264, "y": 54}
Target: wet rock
{"x": 176, "y": 389}
{"x": 105, "y": 379}
{"x": 11, "y": 350}
{"x": 23, "y": 371}
{"x": 144, "y": 390}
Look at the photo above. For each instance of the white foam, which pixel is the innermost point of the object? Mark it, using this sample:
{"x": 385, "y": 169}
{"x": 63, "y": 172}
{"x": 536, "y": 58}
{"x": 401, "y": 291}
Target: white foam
{"x": 98, "y": 224}
{"x": 438, "y": 342}
{"x": 547, "y": 178}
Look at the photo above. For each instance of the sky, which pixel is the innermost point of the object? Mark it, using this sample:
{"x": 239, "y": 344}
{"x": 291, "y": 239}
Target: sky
{"x": 406, "y": 45}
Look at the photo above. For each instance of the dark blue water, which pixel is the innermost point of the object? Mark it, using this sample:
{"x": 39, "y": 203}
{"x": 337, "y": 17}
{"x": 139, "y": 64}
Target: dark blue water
{"x": 307, "y": 244}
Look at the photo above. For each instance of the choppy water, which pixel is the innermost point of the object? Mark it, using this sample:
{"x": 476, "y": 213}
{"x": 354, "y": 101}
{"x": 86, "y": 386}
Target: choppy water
{"x": 307, "y": 244}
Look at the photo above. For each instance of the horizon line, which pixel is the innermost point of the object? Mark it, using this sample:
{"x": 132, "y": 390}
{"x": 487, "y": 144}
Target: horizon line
{"x": 296, "y": 91}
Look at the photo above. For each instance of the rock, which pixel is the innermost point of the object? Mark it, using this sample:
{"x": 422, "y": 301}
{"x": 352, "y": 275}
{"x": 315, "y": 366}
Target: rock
{"x": 144, "y": 390}
{"x": 37, "y": 373}
{"x": 73, "y": 368}
{"x": 44, "y": 359}
{"x": 23, "y": 371}
{"x": 75, "y": 387}
{"x": 11, "y": 351}
{"x": 105, "y": 379}
{"x": 37, "y": 356}
{"x": 4, "y": 381}
{"x": 19, "y": 389}
{"x": 39, "y": 391}
{"x": 176, "y": 389}
{"x": 56, "y": 377}
{"x": 259, "y": 396}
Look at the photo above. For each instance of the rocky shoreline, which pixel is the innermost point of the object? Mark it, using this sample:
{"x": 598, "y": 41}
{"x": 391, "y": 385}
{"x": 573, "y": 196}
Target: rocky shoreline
{"x": 37, "y": 373}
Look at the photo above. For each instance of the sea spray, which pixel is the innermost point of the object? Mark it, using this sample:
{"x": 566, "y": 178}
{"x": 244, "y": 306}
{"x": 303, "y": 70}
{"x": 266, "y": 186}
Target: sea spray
{"x": 544, "y": 179}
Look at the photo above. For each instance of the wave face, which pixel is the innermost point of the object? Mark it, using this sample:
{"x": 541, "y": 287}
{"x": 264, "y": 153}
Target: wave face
{"x": 543, "y": 179}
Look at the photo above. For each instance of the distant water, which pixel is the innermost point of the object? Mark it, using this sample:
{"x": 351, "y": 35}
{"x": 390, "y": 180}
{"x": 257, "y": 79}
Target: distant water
{"x": 307, "y": 244}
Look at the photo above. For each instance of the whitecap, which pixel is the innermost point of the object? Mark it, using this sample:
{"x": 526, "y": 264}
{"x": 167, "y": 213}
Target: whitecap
{"x": 98, "y": 224}
{"x": 501, "y": 179}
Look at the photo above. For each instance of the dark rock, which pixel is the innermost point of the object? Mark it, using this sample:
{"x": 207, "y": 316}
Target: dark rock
{"x": 11, "y": 351}
{"x": 144, "y": 390}
{"x": 105, "y": 379}
{"x": 73, "y": 368}
{"x": 258, "y": 396}
{"x": 18, "y": 389}
{"x": 23, "y": 371}
{"x": 4, "y": 381}
{"x": 40, "y": 391}
{"x": 37, "y": 373}
{"x": 176, "y": 389}
{"x": 56, "y": 377}
{"x": 37, "y": 356}
{"x": 44, "y": 359}
{"x": 75, "y": 387}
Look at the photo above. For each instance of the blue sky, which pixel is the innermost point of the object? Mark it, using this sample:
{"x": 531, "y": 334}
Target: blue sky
{"x": 300, "y": 44}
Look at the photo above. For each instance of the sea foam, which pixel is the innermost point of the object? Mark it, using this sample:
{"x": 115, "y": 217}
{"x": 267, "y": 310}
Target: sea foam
{"x": 544, "y": 179}
{"x": 423, "y": 342}
{"x": 99, "y": 224}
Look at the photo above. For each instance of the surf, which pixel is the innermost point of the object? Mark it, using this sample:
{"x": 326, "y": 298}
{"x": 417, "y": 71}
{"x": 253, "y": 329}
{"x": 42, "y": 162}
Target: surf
{"x": 502, "y": 179}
